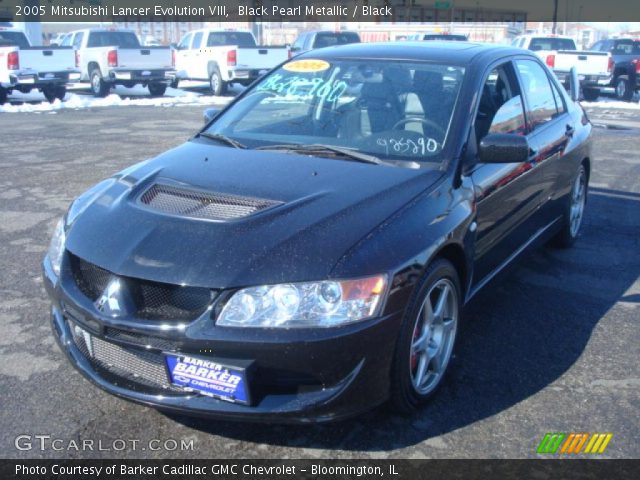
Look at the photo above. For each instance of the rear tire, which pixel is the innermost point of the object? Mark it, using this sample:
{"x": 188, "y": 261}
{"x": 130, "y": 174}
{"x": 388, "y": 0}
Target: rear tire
{"x": 623, "y": 89}
{"x": 427, "y": 338}
{"x": 99, "y": 87}
{"x": 3, "y": 96}
{"x": 49, "y": 93}
{"x": 590, "y": 94}
{"x": 574, "y": 210}
{"x": 174, "y": 83}
{"x": 61, "y": 91}
{"x": 157, "y": 89}
{"x": 217, "y": 86}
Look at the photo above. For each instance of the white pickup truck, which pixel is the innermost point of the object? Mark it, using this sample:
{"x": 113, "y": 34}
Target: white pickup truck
{"x": 109, "y": 57}
{"x": 223, "y": 57}
{"x": 24, "y": 68}
{"x": 560, "y": 54}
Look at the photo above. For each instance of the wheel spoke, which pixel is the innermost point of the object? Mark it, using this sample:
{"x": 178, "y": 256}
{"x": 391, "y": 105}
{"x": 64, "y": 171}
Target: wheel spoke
{"x": 419, "y": 344}
{"x": 447, "y": 327}
{"x": 442, "y": 302}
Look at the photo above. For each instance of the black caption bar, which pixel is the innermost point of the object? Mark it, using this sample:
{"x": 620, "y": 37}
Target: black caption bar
{"x": 317, "y": 469}
{"x": 396, "y": 11}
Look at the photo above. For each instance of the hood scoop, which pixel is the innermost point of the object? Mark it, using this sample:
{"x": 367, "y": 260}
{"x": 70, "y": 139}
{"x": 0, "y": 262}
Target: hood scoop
{"x": 198, "y": 204}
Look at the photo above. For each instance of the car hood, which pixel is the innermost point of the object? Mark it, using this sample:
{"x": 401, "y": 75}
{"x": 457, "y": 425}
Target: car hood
{"x": 319, "y": 208}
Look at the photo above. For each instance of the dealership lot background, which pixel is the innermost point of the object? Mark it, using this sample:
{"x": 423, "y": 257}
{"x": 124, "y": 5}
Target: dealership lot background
{"x": 554, "y": 347}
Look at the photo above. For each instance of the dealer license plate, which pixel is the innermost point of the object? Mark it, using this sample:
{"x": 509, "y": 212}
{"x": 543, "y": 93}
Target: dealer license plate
{"x": 209, "y": 378}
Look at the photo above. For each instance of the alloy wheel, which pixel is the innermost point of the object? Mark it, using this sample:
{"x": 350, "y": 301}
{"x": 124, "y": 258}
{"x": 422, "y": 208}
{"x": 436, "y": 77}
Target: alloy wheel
{"x": 578, "y": 198}
{"x": 433, "y": 336}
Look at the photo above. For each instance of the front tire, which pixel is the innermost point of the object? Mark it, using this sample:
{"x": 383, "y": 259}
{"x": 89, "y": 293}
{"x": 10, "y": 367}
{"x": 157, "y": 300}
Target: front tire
{"x": 624, "y": 91}
{"x": 99, "y": 87}
{"x": 157, "y": 89}
{"x": 216, "y": 84}
{"x": 574, "y": 210}
{"x": 427, "y": 338}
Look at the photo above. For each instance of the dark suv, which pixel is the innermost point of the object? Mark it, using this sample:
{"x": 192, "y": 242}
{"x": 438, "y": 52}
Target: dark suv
{"x": 625, "y": 54}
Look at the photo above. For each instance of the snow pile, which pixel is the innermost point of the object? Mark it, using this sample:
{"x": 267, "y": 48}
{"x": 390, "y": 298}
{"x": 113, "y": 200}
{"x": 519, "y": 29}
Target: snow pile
{"x": 612, "y": 104}
{"x": 75, "y": 102}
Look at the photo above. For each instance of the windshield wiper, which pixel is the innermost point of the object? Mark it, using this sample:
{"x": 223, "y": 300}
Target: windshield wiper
{"x": 319, "y": 148}
{"x": 221, "y": 138}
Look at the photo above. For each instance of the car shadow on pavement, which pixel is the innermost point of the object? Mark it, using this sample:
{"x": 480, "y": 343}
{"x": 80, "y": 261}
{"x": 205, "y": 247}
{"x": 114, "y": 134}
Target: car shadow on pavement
{"x": 520, "y": 335}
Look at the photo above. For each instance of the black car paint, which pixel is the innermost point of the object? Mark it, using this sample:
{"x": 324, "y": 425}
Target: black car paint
{"x": 337, "y": 219}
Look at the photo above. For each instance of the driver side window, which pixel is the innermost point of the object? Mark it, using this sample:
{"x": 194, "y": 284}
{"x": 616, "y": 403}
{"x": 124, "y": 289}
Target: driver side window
{"x": 500, "y": 109}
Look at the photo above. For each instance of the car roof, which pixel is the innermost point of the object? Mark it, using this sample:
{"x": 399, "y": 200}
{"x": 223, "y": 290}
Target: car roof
{"x": 445, "y": 51}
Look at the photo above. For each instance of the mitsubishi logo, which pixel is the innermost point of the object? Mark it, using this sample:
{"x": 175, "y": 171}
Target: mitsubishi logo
{"x": 115, "y": 300}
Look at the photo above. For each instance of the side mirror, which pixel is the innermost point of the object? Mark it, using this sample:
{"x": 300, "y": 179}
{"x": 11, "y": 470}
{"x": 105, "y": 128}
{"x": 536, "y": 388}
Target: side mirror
{"x": 503, "y": 148}
{"x": 574, "y": 84}
{"x": 210, "y": 114}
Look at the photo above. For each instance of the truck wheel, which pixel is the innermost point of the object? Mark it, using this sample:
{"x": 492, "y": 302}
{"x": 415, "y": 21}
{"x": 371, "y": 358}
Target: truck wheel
{"x": 623, "y": 89}
{"x": 99, "y": 87}
{"x": 157, "y": 89}
{"x": 3, "y": 96}
{"x": 61, "y": 91}
{"x": 218, "y": 87}
{"x": 49, "y": 93}
{"x": 590, "y": 94}
{"x": 174, "y": 83}
{"x": 427, "y": 337}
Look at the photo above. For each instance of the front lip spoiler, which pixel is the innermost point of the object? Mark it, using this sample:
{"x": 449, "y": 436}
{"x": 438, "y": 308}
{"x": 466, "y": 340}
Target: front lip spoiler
{"x": 301, "y": 408}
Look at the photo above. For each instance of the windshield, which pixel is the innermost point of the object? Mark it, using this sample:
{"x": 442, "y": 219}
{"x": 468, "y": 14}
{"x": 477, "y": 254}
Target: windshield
{"x": 330, "y": 39}
{"x": 241, "y": 39}
{"x": 396, "y": 111}
{"x": 14, "y": 39}
{"x": 552, "y": 44}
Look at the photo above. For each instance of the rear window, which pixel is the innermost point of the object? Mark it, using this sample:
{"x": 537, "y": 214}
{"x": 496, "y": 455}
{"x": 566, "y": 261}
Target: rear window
{"x": 627, "y": 47}
{"x": 552, "y": 44}
{"x": 241, "y": 39}
{"x": 329, "y": 39}
{"x": 14, "y": 39}
{"x": 113, "y": 39}
{"x": 457, "y": 38}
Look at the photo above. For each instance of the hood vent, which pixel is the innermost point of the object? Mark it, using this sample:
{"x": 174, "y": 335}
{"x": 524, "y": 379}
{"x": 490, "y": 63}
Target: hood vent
{"x": 197, "y": 204}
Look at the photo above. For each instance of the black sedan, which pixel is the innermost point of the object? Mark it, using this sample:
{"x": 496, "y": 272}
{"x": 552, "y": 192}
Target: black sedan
{"x": 306, "y": 256}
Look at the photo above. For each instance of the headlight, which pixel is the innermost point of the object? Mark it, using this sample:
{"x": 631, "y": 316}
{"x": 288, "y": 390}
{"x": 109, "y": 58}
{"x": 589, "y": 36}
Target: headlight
{"x": 304, "y": 305}
{"x": 56, "y": 247}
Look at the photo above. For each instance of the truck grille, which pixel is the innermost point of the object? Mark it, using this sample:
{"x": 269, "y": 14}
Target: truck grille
{"x": 211, "y": 206}
{"x": 153, "y": 300}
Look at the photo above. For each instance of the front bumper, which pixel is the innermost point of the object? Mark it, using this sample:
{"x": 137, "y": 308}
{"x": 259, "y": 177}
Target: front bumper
{"x": 141, "y": 76}
{"x": 298, "y": 377}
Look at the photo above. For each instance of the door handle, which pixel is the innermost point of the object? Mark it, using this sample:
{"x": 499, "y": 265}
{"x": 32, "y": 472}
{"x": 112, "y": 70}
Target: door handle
{"x": 569, "y": 131}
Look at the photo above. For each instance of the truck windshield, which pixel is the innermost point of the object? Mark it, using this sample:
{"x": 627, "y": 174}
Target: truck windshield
{"x": 13, "y": 39}
{"x": 395, "y": 111}
{"x": 113, "y": 39}
{"x": 552, "y": 44}
{"x": 220, "y": 39}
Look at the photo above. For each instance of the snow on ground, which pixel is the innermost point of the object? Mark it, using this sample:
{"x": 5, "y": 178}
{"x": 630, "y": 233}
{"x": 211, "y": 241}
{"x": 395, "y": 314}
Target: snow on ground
{"x": 34, "y": 102}
{"x": 612, "y": 104}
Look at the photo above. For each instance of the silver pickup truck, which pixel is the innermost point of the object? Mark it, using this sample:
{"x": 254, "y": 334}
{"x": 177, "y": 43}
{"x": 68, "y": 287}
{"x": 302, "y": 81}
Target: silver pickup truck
{"x": 109, "y": 57}
{"x": 24, "y": 68}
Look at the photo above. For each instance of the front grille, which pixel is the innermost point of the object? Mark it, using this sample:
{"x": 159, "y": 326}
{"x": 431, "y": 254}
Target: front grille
{"x": 212, "y": 206}
{"x": 90, "y": 279}
{"x": 140, "y": 339}
{"x": 140, "y": 366}
{"x": 153, "y": 300}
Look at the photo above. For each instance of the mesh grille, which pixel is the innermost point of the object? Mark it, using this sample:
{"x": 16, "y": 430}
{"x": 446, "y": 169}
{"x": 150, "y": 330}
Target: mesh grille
{"x": 142, "y": 340}
{"x": 154, "y": 300}
{"x": 142, "y": 367}
{"x": 91, "y": 279}
{"x": 213, "y": 206}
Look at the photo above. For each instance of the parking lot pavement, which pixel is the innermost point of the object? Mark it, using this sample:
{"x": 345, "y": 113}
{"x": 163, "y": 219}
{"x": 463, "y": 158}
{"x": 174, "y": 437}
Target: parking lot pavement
{"x": 553, "y": 347}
